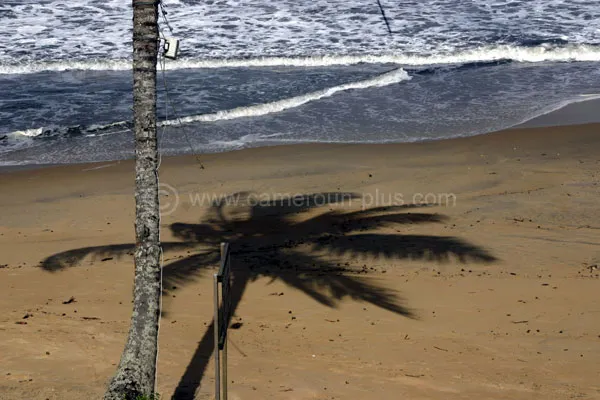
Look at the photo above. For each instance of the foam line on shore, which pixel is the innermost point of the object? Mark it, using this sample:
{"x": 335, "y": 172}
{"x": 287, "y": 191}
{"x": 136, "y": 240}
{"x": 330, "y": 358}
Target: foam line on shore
{"x": 395, "y": 76}
{"x": 388, "y": 78}
{"x": 583, "y": 98}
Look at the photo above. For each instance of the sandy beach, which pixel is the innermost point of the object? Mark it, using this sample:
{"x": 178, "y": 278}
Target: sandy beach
{"x": 454, "y": 269}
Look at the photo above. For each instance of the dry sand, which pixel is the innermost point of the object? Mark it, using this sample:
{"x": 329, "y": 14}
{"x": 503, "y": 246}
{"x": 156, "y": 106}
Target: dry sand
{"x": 493, "y": 297}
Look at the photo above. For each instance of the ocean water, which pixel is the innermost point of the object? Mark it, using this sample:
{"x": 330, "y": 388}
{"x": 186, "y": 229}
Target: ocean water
{"x": 257, "y": 73}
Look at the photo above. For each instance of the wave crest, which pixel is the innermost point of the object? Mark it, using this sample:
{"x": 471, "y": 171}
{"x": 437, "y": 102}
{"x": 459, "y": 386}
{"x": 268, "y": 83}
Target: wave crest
{"x": 388, "y": 78}
{"x": 395, "y": 76}
{"x": 531, "y": 54}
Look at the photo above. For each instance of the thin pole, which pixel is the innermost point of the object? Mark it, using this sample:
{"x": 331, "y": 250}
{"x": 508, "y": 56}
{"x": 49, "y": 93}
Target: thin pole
{"x": 225, "y": 369}
{"x": 223, "y": 257}
{"x": 384, "y": 17}
{"x": 217, "y": 354}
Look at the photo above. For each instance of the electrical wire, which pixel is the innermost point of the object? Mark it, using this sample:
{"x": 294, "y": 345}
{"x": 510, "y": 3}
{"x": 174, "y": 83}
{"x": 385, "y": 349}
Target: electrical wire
{"x": 170, "y": 103}
{"x": 164, "y": 13}
{"x": 162, "y": 263}
{"x": 160, "y": 137}
{"x": 161, "y": 61}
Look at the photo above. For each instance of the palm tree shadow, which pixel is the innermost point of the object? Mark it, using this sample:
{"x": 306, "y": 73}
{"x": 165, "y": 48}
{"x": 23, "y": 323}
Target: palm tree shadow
{"x": 281, "y": 240}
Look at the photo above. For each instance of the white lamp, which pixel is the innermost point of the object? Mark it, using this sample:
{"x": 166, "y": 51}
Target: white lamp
{"x": 171, "y": 47}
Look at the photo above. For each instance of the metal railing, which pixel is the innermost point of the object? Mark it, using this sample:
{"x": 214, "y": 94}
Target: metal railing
{"x": 222, "y": 289}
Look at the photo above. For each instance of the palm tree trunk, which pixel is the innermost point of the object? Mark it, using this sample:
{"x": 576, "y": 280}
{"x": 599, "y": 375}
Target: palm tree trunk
{"x": 136, "y": 373}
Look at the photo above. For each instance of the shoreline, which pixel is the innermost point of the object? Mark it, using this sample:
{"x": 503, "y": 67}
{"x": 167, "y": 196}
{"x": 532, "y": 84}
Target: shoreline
{"x": 581, "y": 112}
{"x": 282, "y": 148}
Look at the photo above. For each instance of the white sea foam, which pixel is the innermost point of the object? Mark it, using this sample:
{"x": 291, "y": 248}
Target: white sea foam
{"x": 83, "y": 35}
{"x": 395, "y": 76}
{"x": 17, "y": 140}
{"x": 228, "y": 29}
{"x": 29, "y": 132}
{"x": 582, "y": 98}
{"x": 484, "y": 54}
{"x": 388, "y": 78}
{"x": 244, "y": 141}
{"x": 10, "y": 163}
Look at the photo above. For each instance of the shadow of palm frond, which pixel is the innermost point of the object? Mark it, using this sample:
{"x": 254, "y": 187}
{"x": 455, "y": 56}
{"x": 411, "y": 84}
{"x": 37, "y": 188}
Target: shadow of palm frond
{"x": 286, "y": 239}
{"x": 72, "y": 258}
{"x": 411, "y": 247}
{"x": 323, "y": 280}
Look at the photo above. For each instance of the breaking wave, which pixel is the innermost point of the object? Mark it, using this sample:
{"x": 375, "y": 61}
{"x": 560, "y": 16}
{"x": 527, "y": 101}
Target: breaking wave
{"x": 530, "y": 54}
{"x": 388, "y": 78}
{"x": 395, "y": 76}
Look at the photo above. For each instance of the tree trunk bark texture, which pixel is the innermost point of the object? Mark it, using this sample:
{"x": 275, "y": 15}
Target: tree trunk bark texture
{"x": 136, "y": 374}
